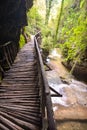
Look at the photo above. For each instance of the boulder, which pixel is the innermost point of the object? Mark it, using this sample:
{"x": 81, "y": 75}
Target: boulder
{"x": 79, "y": 71}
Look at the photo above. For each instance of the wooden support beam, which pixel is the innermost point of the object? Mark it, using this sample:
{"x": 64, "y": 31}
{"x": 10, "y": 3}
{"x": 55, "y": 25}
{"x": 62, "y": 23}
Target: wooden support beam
{"x": 57, "y": 94}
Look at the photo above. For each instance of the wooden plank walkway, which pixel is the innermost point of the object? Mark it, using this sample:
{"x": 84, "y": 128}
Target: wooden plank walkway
{"x": 19, "y": 93}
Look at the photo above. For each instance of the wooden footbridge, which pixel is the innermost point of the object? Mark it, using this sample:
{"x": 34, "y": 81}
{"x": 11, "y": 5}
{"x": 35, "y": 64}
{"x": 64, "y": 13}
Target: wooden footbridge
{"x": 25, "y": 101}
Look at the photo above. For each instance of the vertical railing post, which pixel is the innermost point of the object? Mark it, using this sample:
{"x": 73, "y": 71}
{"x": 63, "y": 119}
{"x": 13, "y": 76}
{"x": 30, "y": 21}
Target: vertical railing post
{"x": 8, "y": 54}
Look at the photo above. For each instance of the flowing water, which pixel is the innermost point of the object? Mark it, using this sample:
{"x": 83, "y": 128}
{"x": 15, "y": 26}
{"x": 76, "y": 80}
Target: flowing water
{"x": 70, "y": 110}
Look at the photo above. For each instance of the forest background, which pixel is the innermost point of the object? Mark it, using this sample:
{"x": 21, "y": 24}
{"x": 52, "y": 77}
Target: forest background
{"x": 63, "y": 24}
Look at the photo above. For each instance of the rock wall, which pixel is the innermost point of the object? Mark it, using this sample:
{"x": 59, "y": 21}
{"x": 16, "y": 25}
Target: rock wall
{"x": 79, "y": 71}
{"x": 12, "y": 19}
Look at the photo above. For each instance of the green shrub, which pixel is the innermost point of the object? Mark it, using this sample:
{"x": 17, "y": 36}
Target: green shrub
{"x": 22, "y": 41}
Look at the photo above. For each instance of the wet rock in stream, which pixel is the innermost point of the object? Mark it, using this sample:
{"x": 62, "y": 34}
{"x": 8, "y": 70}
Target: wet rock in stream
{"x": 70, "y": 110}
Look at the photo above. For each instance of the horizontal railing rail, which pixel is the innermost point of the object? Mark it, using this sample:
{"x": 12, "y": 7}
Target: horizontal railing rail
{"x": 46, "y": 103}
{"x": 8, "y": 52}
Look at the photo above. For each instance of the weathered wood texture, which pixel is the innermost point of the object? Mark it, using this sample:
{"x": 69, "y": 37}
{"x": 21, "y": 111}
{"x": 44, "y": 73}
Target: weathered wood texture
{"x": 19, "y": 93}
{"x": 45, "y": 90}
{"x": 8, "y": 52}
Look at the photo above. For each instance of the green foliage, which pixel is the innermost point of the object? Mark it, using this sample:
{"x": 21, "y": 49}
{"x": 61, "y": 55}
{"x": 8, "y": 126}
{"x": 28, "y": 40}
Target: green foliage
{"x": 22, "y": 41}
{"x": 82, "y": 3}
{"x": 47, "y": 43}
{"x": 47, "y": 38}
{"x": 73, "y": 34}
{"x": 35, "y": 21}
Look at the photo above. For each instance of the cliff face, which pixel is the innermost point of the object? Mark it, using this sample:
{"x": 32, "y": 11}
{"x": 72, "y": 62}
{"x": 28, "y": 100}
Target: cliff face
{"x": 12, "y": 18}
{"x": 29, "y": 4}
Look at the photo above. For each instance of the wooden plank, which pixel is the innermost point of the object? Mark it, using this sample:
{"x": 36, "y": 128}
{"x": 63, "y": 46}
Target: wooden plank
{"x": 19, "y": 84}
{"x": 19, "y": 93}
{"x": 9, "y": 124}
{"x": 24, "y": 111}
{"x": 20, "y": 108}
{"x": 2, "y": 127}
{"x": 20, "y": 79}
{"x": 57, "y": 94}
{"x": 26, "y": 70}
{"x": 24, "y": 117}
{"x": 14, "y": 123}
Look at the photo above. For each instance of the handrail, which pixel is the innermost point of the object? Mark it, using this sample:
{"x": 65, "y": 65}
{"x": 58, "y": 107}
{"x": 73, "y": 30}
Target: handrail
{"x": 8, "y": 53}
{"x": 45, "y": 90}
{"x": 6, "y": 44}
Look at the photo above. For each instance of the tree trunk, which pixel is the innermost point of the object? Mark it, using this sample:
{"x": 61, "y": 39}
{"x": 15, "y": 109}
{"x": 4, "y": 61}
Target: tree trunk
{"x": 58, "y": 21}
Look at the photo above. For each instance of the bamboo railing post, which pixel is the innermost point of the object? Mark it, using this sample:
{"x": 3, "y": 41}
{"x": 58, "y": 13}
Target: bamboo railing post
{"x": 9, "y": 53}
{"x": 6, "y": 56}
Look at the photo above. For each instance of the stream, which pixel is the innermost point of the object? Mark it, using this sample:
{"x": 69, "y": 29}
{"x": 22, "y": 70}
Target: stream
{"x": 70, "y": 110}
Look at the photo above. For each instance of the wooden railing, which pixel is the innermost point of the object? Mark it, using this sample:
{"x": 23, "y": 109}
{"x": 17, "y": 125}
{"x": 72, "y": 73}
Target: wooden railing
{"x": 46, "y": 103}
{"x": 8, "y": 52}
